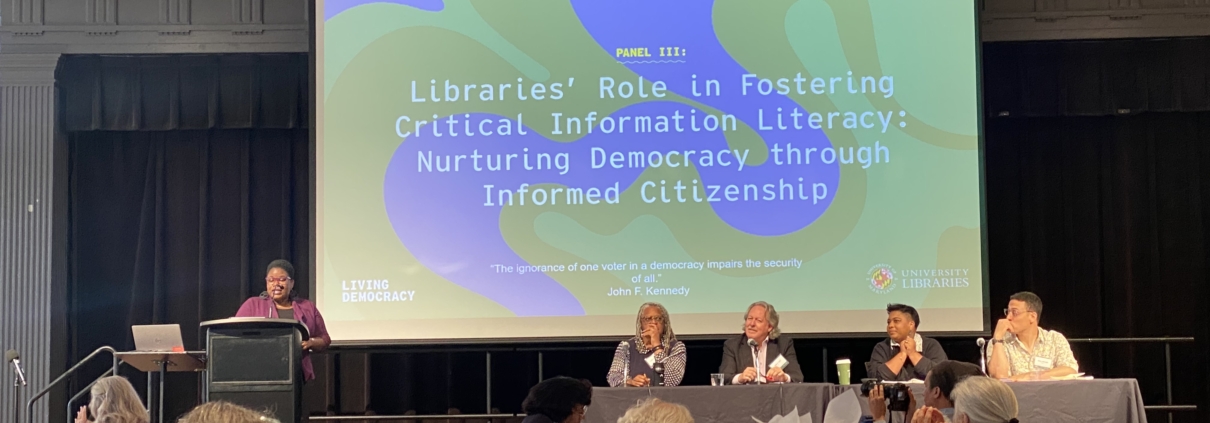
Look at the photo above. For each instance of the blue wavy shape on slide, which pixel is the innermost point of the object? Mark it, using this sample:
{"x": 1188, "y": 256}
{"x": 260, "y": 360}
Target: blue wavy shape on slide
{"x": 442, "y": 220}
{"x": 689, "y": 25}
{"x": 334, "y": 7}
{"x": 440, "y": 217}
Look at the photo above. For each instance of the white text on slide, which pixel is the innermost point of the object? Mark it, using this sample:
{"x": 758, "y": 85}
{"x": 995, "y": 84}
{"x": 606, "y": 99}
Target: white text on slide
{"x": 372, "y": 291}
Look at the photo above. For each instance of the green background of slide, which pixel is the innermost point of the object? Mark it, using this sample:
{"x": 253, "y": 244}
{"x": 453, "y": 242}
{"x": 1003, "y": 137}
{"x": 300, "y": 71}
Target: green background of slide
{"x": 921, "y": 211}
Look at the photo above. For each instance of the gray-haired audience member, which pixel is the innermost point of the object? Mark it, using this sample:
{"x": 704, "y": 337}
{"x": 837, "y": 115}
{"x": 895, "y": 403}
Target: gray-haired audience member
{"x": 938, "y": 389}
{"x": 977, "y": 399}
{"x": 653, "y": 410}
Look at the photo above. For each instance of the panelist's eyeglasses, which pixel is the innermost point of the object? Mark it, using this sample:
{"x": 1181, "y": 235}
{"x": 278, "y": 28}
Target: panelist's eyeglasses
{"x": 1008, "y": 312}
{"x": 281, "y": 279}
{"x": 652, "y": 319}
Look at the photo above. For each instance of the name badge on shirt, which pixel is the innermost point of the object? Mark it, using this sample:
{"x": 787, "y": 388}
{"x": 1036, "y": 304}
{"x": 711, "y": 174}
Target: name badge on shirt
{"x": 650, "y": 360}
{"x": 1043, "y": 363}
{"x": 780, "y": 362}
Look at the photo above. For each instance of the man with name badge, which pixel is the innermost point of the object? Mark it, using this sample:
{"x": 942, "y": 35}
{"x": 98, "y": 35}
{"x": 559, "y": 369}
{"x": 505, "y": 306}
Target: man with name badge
{"x": 759, "y": 355}
{"x": 1023, "y": 351}
{"x": 905, "y": 355}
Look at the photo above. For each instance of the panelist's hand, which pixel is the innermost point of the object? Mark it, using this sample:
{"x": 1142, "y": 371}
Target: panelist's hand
{"x": 877, "y": 403}
{"x": 651, "y": 338}
{"x": 638, "y": 381}
{"x": 1002, "y": 327}
{"x": 306, "y": 345}
{"x": 82, "y": 415}
{"x": 748, "y": 375}
{"x": 928, "y": 414}
{"x": 776, "y": 374}
{"x": 907, "y": 346}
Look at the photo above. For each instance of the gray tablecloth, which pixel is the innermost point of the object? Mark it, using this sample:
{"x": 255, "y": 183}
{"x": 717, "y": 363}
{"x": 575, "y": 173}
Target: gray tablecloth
{"x": 1097, "y": 400}
{"x": 722, "y": 404}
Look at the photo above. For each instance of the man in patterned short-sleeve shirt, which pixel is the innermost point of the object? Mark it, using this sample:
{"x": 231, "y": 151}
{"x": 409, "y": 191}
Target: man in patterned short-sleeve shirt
{"x": 1020, "y": 347}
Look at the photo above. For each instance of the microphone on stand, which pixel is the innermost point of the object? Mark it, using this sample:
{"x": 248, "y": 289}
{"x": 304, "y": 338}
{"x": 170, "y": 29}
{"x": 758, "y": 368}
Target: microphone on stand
{"x": 755, "y": 358}
{"x": 12, "y": 356}
{"x": 982, "y": 343}
{"x": 626, "y": 368}
{"x": 659, "y": 374}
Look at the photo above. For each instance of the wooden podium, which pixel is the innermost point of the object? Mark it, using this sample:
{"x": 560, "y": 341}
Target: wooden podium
{"x": 162, "y": 363}
{"x": 256, "y": 362}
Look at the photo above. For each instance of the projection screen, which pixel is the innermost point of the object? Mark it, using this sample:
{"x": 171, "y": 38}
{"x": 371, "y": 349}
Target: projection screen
{"x": 538, "y": 169}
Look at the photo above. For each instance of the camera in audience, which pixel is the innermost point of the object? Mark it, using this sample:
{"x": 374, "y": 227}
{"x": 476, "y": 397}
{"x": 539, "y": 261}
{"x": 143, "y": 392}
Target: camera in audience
{"x": 898, "y": 395}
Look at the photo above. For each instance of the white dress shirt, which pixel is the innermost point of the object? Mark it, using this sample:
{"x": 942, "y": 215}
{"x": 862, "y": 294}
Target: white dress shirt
{"x": 758, "y": 360}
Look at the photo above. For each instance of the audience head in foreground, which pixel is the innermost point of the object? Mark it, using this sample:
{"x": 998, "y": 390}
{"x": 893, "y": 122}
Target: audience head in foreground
{"x": 653, "y": 410}
{"x": 113, "y": 401}
{"x": 977, "y": 399}
{"x": 558, "y": 400}
{"x": 940, "y": 383}
{"x": 224, "y": 412}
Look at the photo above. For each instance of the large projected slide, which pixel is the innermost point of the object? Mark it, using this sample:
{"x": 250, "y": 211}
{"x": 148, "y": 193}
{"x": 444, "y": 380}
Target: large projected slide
{"x": 503, "y": 169}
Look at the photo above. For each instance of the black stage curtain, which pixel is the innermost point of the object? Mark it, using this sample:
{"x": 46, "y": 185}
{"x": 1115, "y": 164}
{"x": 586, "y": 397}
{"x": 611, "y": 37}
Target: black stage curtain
{"x": 187, "y": 175}
{"x": 1096, "y": 78}
{"x": 1097, "y": 199}
{"x": 180, "y": 92}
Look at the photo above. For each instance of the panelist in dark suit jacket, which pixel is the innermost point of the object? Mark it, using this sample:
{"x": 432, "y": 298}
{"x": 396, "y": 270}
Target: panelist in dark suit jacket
{"x": 759, "y": 355}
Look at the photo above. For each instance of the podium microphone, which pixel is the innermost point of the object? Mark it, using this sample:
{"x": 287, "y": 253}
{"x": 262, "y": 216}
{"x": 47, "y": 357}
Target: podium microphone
{"x": 982, "y": 343}
{"x": 12, "y": 356}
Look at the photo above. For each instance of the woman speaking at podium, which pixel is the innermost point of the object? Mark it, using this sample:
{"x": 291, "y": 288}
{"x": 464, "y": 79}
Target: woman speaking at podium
{"x": 279, "y": 301}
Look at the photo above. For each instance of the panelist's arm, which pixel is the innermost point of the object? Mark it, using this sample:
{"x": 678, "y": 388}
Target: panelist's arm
{"x": 728, "y": 366}
{"x": 792, "y": 368}
{"x": 997, "y": 365}
{"x": 884, "y": 363}
{"x": 1064, "y": 361}
{"x": 617, "y": 371}
{"x": 1058, "y": 372}
{"x": 674, "y": 364}
{"x": 933, "y": 354}
{"x": 319, "y": 334}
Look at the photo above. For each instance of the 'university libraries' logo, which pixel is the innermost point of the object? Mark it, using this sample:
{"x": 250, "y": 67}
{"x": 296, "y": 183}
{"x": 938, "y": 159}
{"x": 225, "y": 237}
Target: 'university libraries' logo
{"x": 881, "y": 278}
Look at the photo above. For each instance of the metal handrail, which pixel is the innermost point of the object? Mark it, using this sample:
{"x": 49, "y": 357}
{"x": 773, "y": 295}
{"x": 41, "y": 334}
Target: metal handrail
{"x": 29, "y": 406}
{"x": 1167, "y": 341}
{"x": 1170, "y": 408}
